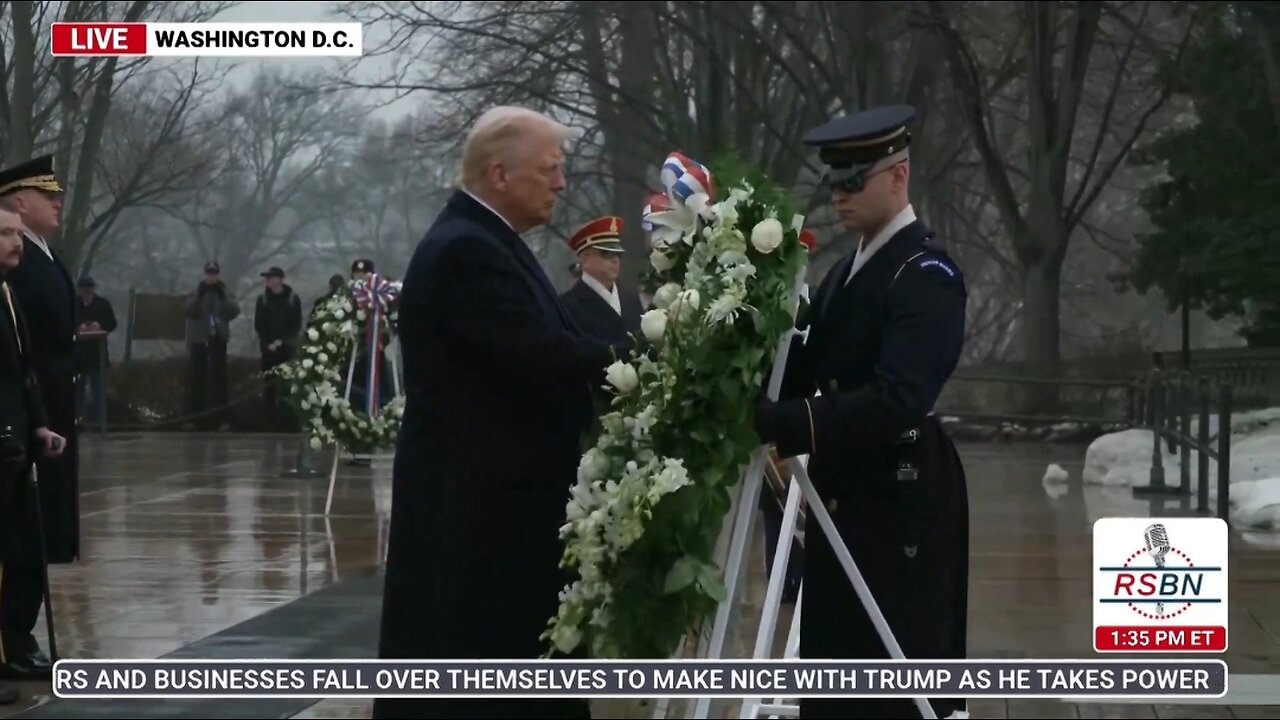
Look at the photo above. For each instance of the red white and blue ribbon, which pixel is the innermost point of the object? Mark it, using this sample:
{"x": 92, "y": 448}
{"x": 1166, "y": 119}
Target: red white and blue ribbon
{"x": 684, "y": 177}
{"x": 374, "y": 295}
{"x": 655, "y": 203}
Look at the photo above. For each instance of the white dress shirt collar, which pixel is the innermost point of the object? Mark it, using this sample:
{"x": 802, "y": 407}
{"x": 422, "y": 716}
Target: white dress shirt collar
{"x": 489, "y": 207}
{"x": 867, "y": 249}
{"x": 610, "y": 296}
{"x": 39, "y": 241}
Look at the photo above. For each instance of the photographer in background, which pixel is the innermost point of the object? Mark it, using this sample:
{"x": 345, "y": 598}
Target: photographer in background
{"x": 210, "y": 310}
{"x": 95, "y": 321}
{"x": 24, "y": 436}
{"x": 277, "y": 318}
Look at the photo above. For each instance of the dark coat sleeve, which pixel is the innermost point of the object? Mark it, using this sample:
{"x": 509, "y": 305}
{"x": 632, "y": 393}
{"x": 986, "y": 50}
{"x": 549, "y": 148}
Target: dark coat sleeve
{"x": 35, "y": 407}
{"x": 109, "y": 322}
{"x": 491, "y": 314}
{"x": 924, "y": 335}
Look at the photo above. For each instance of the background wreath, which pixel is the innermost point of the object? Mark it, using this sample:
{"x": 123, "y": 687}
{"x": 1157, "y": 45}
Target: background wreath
{"x": 317, "y": 378}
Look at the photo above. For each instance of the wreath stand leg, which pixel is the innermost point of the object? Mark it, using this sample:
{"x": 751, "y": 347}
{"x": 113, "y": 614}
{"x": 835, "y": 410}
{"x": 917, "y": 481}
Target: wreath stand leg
{"x": 337, "y": 449}
{"x": 743, "y": 517}
{"x": 754, "y": 707}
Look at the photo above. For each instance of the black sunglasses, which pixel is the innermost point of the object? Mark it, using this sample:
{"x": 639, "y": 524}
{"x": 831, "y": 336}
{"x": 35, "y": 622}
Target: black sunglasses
{"x": 854, "y": 184}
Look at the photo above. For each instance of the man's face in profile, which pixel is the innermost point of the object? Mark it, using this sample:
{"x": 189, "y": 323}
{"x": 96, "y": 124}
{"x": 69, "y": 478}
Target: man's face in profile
{"x": 534, "y": 180}
{"x": 10, "y": 240}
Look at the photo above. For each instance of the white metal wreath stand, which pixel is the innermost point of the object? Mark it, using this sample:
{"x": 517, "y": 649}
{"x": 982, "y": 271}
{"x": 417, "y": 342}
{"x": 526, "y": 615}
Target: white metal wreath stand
{"x": 732, "y": 554}
{"x": 392, "y": 352}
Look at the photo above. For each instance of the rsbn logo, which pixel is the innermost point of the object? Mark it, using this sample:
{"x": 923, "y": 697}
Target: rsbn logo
{"x": 1165, "y": 573}
{"x": 1158, "y": 579}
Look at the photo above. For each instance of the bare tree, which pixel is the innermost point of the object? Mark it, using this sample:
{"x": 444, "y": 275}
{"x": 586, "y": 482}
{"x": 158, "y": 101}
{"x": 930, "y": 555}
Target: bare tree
{"x": 276, "y": 136}
{"x": 644, "y": 78}
{"x": 1089, "y": 84}
{"x": 159, "y": 150}
{"x": 61, "y": 105}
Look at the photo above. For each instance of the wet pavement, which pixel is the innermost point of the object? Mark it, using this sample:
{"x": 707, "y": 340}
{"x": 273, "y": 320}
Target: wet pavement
{"x": 201, "y": 546}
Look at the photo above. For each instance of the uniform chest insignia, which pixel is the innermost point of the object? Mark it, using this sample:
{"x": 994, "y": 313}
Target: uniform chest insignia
{"x": 938, "y": 265}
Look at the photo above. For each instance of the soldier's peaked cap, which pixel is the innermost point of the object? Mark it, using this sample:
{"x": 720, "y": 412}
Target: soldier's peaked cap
{"x": 851, "y": 144}
{"x": 35, "y": 173}
{"x": 602, "y": 234}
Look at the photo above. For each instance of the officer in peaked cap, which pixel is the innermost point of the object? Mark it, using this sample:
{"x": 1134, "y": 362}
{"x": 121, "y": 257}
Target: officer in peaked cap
{"x": 46, "y": 293}
{"x": 885, "y": 333}
{"x": 600, "y": 305}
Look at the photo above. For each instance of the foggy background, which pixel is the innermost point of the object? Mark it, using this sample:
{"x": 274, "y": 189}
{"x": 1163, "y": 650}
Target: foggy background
{"x": 1091, "y": 166}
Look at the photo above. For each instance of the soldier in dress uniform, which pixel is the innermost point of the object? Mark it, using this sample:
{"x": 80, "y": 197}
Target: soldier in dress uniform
{"x": 601, "y": 307}
{"x": 46, "y": 293}
{"x": 885, "y": 333}
{"x": 24, "y": 436}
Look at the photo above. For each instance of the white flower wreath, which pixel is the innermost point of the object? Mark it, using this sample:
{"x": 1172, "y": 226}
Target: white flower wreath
{"x": 317, "y": 377}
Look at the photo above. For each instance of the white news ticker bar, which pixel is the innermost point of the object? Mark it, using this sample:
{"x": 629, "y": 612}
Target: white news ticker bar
{"x": 991, "y": 678}
{"x": 255, "y": 39}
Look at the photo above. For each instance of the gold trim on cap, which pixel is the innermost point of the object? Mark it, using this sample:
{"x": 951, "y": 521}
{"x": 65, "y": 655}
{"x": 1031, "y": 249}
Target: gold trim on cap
{"x": 871, "y": 141}
{"x": 597, "y": 241}
{"x": 40, "y": 182}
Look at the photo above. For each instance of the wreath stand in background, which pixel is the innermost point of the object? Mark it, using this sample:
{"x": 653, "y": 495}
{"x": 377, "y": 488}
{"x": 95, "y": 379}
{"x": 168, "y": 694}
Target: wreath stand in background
{"x": 320, "y": 393}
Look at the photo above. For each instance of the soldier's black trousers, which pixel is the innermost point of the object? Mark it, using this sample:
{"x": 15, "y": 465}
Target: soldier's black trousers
{"x": 21, "y": 593}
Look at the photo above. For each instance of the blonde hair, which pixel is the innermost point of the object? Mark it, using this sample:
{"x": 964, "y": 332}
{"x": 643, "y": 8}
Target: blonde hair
{"x": 497, "y": 136}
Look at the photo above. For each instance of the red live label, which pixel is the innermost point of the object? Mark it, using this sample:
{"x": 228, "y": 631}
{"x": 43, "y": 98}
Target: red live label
{"x": 99, "y": 38}
{"x": 1139, "y": 638}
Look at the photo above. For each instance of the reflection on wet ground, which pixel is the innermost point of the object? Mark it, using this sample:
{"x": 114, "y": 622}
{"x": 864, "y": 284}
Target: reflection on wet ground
{"x": 186, "y": 536}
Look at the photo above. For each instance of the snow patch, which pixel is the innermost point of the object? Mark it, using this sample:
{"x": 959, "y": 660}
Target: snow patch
{"x": 1055, "y": 474}
{"x": 1124, "y": 459}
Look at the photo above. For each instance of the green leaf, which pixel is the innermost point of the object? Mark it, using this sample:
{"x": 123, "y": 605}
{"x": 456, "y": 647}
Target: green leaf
{"x": 710, "y": 583}
{"x": 682, "y": 574}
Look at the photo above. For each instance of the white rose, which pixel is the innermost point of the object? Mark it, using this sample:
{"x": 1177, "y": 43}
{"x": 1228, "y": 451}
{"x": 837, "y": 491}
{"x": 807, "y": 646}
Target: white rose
{"x": 360, "y": 315}
{"x": 307, "y": 363}
{"x": 313, "y": 334}
{"x": 315, "y": 443}
{"x": 666, "y": 295}
{"x": 622, "y": 376}
{"x": 654, "y": 324}
{"x": 766, "y": 235}
{"x": 687, "y": 297}
{"x": 661, "y": 262}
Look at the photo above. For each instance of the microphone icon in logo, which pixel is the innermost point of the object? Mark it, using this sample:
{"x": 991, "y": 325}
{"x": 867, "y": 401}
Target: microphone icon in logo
{"x": 1157, "y": 539}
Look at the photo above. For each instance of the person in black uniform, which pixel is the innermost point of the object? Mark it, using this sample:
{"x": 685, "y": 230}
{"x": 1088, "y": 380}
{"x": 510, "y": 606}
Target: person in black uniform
{"x": 886, "y": 328}
{"x": 277, "y": 319}
{"x": 603, "y": 309}
{"x": 43, "y": 288}
{"x": 24, "y": 438}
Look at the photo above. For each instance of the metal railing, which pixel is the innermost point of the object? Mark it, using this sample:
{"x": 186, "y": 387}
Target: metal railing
{"x": 1043, "y": 401}
{"x": 1166, "y": 402}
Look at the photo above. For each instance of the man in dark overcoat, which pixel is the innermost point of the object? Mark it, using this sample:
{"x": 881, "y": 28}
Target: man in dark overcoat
{"x": 885, "y": 334}
{"x": 498, "y": 393}
{"x": 44, "y": 289}
{"x": 24, "y": 437}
